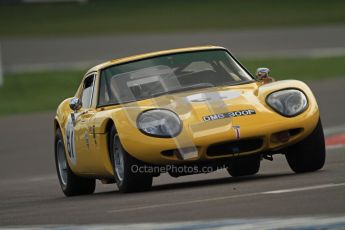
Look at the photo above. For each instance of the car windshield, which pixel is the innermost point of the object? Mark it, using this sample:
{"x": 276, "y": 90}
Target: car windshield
{"x": 169, "y": 74}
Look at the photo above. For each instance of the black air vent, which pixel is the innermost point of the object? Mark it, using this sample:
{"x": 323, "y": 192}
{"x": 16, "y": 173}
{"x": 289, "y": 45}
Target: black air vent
{"x": 234, "y": 147}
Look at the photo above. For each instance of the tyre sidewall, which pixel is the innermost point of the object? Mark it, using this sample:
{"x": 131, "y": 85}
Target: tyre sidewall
{"x": 309, "y": 154}
{"x": 75, "y": 185}
{"x": 64, "y": 187}
{"x": 132, "y": 181}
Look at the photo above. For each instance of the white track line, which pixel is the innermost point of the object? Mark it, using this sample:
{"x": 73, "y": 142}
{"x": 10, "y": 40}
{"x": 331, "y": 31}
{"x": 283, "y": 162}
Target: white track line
{"x": 183, "y": 203}
{"x": 339, "y": 129}
{"x": 331, "y": 147}
{"x": 334, "y": 130}
{"x": 304, "y": 188}
{"x": 323, "y": 186}
{"x": 315, "y": 222}
{"x": 299, "y": 53}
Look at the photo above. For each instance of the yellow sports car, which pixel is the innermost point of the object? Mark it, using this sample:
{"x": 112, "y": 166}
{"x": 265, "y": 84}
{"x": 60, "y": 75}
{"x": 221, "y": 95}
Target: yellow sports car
{"x": 182, "y": 111}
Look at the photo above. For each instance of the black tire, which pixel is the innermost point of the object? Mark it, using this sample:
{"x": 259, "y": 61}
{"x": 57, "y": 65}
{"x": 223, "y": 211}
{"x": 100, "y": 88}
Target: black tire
{"x": 128, "y": 180}
{"x": 309, "y": 154}
{"x": 244, "y": 166}
{"x": 71, "y": 184}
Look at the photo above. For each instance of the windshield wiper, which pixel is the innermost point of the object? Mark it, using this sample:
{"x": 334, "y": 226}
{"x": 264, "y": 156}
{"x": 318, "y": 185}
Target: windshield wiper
{"x": 189, "y": 87}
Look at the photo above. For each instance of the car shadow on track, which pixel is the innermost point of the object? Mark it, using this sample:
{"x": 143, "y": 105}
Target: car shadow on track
{"x": 168, "y": 187}
{"x": 219, "y": 181}
{"x": 203, "y": 183}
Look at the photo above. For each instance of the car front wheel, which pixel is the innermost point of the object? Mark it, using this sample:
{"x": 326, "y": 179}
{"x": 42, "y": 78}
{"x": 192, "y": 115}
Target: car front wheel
{"x": 71, "y": 184}
{"x": 244, "y": 166}
{"x": 309, "y": 154}
{"x": 128, "y": 177}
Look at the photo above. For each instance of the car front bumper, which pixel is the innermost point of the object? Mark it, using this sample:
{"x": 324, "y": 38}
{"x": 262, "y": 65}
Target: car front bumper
{"x": 241, "y": 136}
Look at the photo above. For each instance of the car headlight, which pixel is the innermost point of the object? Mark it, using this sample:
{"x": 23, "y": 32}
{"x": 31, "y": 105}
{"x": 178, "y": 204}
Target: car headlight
{"x": 159, "y": 123}
{"x": 288, "y": 102}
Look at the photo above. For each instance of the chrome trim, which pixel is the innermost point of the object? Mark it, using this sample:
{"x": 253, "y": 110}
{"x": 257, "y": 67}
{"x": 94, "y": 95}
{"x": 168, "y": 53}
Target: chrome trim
{"x": 93, "y": 89}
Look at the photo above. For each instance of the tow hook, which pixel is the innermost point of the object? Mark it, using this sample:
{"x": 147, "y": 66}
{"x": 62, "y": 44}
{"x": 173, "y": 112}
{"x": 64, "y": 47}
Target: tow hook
{"x": 268, "y": 157}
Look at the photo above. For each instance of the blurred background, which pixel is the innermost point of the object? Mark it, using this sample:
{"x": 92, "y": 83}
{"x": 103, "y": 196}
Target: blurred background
{"x": 47, "y": 45}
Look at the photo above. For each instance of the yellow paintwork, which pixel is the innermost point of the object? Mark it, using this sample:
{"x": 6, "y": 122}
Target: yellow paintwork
{"x": 93, "y": 160}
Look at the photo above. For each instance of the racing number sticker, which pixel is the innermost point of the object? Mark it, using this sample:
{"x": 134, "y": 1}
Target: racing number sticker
{"x": 70, "y": 140}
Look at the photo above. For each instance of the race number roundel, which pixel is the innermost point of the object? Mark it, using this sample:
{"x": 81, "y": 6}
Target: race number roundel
{"x": 70, "y": 141}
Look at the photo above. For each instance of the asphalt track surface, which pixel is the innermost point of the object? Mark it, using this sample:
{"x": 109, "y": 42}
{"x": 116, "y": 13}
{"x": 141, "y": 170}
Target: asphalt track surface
{"x": 30, "y": 193}
{"x": 23, "y": 54}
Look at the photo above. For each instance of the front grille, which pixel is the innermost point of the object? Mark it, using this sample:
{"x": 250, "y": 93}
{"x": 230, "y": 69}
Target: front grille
{"x": 234, "y": 147}
{"x": 168, "y": 153}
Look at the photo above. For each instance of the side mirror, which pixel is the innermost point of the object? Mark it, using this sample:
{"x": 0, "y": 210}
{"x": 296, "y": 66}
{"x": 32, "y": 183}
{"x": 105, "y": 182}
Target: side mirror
{"x": 75, "y": 104}
{"x": 262, "y": 73}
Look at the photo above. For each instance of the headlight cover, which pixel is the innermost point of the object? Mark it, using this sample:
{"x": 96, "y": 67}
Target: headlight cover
{"x": 159, "y": 123}
{"x": 288, "y": 102}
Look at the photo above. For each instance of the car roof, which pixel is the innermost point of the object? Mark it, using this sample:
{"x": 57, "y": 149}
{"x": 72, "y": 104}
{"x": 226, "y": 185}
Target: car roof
{"x": 151, "y": 54}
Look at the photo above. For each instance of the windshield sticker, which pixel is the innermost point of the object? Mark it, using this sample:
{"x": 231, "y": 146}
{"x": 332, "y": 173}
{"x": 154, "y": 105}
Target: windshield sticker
{"x": 239, "y": 113}
{"x": 213, "y": 96}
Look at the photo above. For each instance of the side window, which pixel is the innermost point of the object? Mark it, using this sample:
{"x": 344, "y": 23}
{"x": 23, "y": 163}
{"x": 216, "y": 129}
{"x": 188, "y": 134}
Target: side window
{"x": 86, "y": 96}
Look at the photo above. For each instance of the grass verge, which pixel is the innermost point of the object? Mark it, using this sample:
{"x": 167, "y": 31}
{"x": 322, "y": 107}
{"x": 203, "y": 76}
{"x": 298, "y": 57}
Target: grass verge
{"x": 132, "y": 16}
{"x": 299, "y": 68}
{"x": 35, "y": 92}
{"x": 43, "y": 91}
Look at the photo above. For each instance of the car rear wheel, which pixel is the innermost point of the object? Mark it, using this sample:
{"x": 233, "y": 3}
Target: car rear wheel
{"x": 309, "y": 154}
{"x": 71, "y": 184}
{"x": 244, "y": 166}
{"x": 126, "y": 168}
